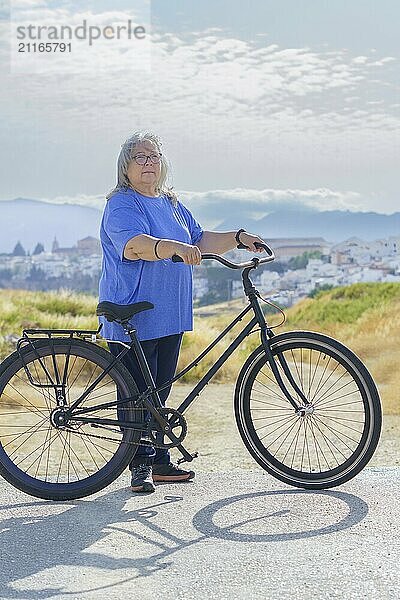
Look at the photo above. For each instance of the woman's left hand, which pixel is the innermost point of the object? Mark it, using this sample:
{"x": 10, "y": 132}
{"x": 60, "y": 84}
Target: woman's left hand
{"x": 248, "y": 239}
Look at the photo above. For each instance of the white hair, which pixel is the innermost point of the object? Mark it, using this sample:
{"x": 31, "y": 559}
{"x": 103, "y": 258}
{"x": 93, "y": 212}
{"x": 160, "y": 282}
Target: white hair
{"x": 125, "y": 157}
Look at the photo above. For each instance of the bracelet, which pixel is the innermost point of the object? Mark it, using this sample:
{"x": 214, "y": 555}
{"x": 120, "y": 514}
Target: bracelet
{"x": 237, "y": 237}
{"x": 155, "y": 248}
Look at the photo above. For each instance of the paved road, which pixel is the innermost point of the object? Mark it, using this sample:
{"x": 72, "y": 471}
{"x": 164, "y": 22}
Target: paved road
{"x": 237, "y": 535}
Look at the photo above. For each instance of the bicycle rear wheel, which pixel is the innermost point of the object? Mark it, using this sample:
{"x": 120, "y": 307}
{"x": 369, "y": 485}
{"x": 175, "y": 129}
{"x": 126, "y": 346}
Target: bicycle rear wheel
{"x": 56, "y": 462}
{"x": 336, "y": 438}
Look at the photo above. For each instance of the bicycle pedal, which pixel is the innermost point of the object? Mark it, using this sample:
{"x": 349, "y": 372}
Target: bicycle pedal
{"x": 184, "y": 459}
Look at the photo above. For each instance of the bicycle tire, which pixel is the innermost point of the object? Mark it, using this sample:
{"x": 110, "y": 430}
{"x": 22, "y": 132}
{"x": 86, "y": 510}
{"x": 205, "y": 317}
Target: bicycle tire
{"x": 309, "y": 464}
{"x": 25, "y": 412}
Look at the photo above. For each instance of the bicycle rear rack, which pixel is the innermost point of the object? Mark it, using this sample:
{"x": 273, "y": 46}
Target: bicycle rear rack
{"x": 34, "y": 338}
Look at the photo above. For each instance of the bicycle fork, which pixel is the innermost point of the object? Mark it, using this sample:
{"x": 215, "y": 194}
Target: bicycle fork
{"x": 300, "y": 410}
{"x": 252, "y": 294}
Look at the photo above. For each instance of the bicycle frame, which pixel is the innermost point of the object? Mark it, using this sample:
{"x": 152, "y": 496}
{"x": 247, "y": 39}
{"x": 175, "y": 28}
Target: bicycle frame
{"x": 152, "y": 391}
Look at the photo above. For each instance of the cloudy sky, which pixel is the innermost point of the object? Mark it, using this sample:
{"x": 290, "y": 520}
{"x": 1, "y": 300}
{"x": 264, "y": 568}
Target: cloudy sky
{"x": 258, "y": 104}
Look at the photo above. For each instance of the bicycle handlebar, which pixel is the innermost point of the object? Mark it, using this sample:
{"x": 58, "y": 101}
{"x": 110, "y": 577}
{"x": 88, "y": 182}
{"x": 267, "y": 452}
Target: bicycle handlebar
{"x": 231, "y": 265}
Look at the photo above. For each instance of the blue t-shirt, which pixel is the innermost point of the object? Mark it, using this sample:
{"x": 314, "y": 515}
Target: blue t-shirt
{"x": 166, "y": 284}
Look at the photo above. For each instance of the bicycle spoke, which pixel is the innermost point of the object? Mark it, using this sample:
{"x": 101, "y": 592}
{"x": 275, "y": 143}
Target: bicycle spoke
{"x": 61, "y": 461}
{"x": 319, "y": 446}
{"x": 309, "y": 374}
{"x": 336, "y": 431}
{"x": 276, "y": 394}
{"x": 324, "y": 397}
{"x": 89, "y": 436}
{"x": 301, "y": 371}
{"x": 341, "y": 397}
{"x": 79, "y": 460}
{"x": 49, "y": 443}
{"x": 339, "y": 422}
{"x": 283, "y": 441}
{"x": 45, "y": 441}
{"x": 36, "y": 427}
{"x": 291, "y": 443}
{"x": 345, "y": 419}
{"x": 329, "y": 444}
{"x": 44, "y": 391}
{"x": 23, "y": 397}
{"x": 18, "y": 412}
{"x": 7, "y": 435}
{"x": 295, "y": 447}
{"x": 281, "y": 434}
{"x": 70, "y": 384}
{"x": 285, "y": 419}
{"x": 321, "y": 378}
{"x": 321, "y": 387}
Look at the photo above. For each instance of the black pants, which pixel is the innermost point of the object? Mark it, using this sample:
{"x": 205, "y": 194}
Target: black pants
{"x": 162, "y": 356}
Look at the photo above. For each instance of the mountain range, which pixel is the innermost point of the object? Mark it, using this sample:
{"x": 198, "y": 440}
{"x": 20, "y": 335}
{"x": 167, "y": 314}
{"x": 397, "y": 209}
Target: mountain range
{"x": 332, "y": 225}
{"x": 32, "y": 221}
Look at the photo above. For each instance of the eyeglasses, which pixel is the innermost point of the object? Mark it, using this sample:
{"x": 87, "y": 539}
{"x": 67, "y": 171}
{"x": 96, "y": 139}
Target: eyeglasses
{"x": 141, "y": 159}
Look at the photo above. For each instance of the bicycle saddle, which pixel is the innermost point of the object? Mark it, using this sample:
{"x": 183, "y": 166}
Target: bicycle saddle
{"x": 121, "y": 312}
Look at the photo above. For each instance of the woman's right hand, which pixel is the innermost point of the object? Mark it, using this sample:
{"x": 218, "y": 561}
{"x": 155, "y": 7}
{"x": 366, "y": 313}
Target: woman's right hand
{"x": 191, "y": 254}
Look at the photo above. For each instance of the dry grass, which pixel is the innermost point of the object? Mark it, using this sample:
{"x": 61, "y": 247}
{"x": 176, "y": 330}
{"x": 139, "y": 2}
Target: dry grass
{"x": 365, "y": 317}
{"x": 373, "y": 336}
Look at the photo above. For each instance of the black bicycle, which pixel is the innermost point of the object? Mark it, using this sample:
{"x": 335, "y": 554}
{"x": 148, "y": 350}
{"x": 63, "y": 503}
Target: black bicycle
{"x": 71, "y": 415}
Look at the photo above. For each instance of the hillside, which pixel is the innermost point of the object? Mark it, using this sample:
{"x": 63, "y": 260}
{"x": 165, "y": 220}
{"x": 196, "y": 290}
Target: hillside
{"x": 365, "y": 317}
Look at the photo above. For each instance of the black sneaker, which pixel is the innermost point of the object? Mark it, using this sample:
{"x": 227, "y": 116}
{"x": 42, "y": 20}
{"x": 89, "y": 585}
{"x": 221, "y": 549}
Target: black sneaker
{"x": 170, "y": 472}
{"x": 142, "y": 480}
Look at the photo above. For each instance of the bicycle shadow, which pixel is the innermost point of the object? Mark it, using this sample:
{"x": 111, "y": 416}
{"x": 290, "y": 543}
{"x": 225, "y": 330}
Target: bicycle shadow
{"x": 30, "y": 545}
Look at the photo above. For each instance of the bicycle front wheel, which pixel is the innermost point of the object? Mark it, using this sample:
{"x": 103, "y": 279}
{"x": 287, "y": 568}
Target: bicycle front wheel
{"x": 337, "y": 435}
{"x": 40, "y": 456}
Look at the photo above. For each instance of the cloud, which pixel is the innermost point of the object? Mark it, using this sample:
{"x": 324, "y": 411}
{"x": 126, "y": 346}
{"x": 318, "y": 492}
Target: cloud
{"x": 24, "y": 4}
{"x": 212, "y": 205}
{"x": 383, "y": 61}
{"x": 209, "y": 206}
{"x": 93, "y": 201}
{"x": 202, "y": 75}
{"x": 227, "y": 108}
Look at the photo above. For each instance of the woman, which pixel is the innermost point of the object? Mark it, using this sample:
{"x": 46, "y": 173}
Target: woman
{"x": 143, "y": 225}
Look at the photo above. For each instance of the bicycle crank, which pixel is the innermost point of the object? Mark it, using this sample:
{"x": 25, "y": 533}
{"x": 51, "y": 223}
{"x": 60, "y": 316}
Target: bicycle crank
{"x": 176, "y": 429}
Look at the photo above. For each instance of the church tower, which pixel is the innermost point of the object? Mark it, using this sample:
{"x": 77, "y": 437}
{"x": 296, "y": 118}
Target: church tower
{"x": 55, "y": 245}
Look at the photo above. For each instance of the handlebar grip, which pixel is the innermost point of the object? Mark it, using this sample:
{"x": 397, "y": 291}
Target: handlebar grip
{"x": 265, "y": 246}
{"x": 176, "y": 258}
{"x": 258, "y": 245}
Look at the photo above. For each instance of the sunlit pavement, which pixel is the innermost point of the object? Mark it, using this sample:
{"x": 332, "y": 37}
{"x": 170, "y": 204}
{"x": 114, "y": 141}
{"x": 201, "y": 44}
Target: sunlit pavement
{"x": 224, "y": 535}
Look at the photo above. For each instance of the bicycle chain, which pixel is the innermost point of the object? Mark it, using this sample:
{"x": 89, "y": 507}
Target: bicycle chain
{"x": 102, "y": 437}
